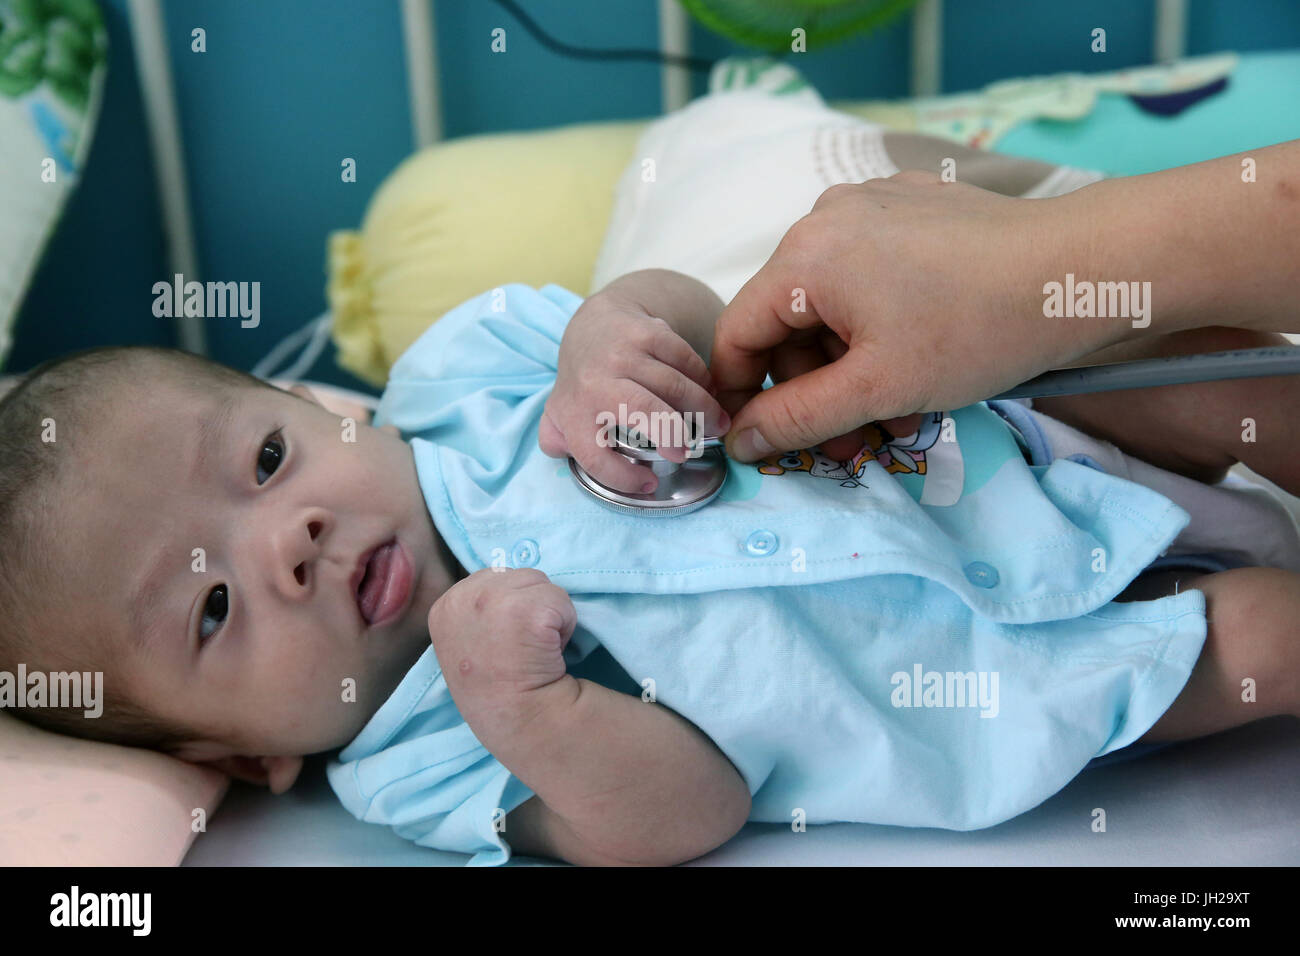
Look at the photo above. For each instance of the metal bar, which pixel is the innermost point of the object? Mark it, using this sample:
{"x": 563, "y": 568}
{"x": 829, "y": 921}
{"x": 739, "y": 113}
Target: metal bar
{"x": 927, "y": 48}
{"x": 1170, "y": 41}
{"x": 420, "y": 39}
{"x": 1170, "y": 370}
{"x": 675, "y": 38}
{"x": 159, "y": 95}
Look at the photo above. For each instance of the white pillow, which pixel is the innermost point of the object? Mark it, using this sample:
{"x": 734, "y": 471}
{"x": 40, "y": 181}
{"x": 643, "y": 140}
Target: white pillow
{"x": 713, "y": 187}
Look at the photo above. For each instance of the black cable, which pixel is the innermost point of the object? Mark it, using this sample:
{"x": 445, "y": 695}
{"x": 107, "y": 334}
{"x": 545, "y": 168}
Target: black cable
{"x": 564, "y": 49}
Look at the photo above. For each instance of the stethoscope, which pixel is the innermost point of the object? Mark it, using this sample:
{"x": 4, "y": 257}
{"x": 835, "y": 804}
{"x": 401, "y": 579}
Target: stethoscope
{"x": 692, "y": 484}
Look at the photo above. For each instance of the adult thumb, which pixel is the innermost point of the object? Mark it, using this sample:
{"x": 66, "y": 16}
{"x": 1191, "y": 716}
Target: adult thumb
{"x": 806, "y": 410}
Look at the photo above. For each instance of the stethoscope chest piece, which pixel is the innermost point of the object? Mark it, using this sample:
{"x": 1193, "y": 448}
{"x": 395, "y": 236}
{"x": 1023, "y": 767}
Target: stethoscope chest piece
{"x": 682, "y": 488}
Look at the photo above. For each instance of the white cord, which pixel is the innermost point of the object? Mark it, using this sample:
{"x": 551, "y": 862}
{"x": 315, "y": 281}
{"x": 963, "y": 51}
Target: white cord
{"x": 314, "y": 334}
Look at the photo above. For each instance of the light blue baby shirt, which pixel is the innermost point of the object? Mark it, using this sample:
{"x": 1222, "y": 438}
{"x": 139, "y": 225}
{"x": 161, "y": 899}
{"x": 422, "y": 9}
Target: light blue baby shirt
{"x": 935, "y": 647}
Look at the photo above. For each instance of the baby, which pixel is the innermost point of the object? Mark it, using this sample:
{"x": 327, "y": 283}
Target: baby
{"x": 940, "y": 632}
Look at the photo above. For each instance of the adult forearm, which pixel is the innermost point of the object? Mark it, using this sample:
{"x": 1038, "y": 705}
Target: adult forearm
{"x": 1219, "y": 241}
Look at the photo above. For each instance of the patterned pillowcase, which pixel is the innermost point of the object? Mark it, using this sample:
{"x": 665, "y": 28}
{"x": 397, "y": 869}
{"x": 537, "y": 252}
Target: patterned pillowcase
{"x": 53, "y": 57}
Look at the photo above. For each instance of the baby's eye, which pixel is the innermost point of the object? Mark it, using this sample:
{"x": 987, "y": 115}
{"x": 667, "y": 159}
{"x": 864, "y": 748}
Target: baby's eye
{"x": 268, "y": 459}
{"x": 214, "y": 612}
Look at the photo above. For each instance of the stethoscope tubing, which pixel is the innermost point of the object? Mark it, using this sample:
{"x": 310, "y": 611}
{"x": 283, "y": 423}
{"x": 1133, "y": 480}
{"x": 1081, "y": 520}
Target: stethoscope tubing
{"x": 1151, "y": 373}
{"x": 1143, "y": 373}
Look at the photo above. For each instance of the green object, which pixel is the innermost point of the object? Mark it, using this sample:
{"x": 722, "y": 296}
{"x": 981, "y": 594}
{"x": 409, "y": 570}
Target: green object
{"x": 769, "y": 24}
{"x": 58, "y": 41}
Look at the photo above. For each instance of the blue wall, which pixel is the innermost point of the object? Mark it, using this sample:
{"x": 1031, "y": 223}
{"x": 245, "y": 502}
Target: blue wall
{"x": 287, "y": 88}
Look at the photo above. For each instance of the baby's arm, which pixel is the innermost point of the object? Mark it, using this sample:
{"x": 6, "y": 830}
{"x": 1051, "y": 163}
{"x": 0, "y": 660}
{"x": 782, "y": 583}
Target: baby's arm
{"x": 620, "y": 781}
{"x": 616, "y": 780}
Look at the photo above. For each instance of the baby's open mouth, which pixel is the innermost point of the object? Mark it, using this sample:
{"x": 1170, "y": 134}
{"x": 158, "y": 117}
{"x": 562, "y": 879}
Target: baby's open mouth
{"x": 384, "y": 583}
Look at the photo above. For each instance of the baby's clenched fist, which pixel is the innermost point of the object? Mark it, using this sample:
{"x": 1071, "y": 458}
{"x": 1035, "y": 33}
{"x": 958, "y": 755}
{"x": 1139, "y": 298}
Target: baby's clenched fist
{"x": 501, "y": 632}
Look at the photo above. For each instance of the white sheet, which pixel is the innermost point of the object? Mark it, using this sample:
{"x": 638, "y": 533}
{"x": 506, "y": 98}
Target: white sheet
{"x": 1231, "y": 799}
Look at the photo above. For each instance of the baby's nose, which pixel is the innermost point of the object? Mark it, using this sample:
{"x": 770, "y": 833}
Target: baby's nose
{"x": 297, "y": 549}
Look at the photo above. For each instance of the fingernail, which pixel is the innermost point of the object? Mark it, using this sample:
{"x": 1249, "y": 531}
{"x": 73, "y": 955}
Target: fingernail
{"x": 724, "y": 423}
{"x": 751, "y": 444}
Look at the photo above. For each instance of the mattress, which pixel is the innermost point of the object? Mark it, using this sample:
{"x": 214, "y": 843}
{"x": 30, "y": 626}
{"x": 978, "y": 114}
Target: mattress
{"x": 1229, "y": 799}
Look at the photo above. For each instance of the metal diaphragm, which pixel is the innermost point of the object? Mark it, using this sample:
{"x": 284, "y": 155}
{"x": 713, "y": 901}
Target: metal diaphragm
{"x": 681, "y": 489}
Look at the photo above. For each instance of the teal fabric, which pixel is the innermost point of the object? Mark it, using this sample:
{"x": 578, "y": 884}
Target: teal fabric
{"x": 1258, "y": 108}
{"x": 417, "y": 767}
{"x": 821, "y": 624}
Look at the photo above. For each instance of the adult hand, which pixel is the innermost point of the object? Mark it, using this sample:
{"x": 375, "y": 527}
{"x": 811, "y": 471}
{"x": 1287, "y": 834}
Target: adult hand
{"x": 895, "y": 296}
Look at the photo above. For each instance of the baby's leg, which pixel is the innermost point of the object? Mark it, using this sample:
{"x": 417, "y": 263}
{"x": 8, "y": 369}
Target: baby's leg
{"x": 1195, "y": 430}
{"x": 1253, "y": 633}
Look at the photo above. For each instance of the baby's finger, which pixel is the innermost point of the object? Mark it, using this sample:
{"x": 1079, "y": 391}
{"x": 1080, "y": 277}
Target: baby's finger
{"x": 904, "y": 426}
{"x": 700, "y": 413}
{"x": 671, "y": 349}
{"x": 614, "y": 471}
{"x": 844, "y": 447}
{"x": 611, "y": 469}
{"x": 644, "y": 412}
{"x": 559, "y": 599}
{"x": 549, "y": 437}
{"x": 669, "y": 429}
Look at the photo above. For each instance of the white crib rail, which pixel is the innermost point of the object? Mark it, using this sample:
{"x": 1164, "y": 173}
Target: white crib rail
{"x": 159, "y": 95}
{"x": 422, "y": 72}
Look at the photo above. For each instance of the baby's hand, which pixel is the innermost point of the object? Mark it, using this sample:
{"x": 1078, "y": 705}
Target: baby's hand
{"x": 500, "y": 633}
{"x": 616, "y": 354}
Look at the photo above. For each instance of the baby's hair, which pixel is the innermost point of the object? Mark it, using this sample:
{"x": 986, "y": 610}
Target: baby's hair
{"x": 61, "y": 399}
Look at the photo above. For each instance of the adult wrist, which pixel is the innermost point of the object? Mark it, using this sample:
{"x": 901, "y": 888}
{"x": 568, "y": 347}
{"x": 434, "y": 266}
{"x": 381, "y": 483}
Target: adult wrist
{"x": 1123, "y": 273}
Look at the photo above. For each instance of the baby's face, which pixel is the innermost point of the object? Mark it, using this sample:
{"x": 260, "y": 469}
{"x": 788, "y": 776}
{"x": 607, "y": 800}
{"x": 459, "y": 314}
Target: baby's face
{"x": 264, "y": 577}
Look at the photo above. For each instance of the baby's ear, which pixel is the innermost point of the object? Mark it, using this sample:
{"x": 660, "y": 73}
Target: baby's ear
{"x": 278, "y": 773}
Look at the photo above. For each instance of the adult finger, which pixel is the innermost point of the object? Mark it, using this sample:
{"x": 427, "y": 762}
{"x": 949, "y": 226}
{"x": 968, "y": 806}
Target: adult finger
{"x": 759, "y": 318}
{"x": 805, "y": 352}
{"x": 826, "y": 402}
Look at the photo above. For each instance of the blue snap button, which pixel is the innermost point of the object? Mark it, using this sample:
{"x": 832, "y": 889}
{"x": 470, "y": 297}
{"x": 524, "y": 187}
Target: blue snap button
{"x": 981, "y": 575}
{"x": 761, "y": 543}
{"x": 525, "y": 553}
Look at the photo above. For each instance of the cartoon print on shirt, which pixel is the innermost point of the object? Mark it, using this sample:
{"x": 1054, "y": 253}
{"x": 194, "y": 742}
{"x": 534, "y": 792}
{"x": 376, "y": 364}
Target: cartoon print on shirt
{"x": 848, "y": 473}
{"x": 903, "y": 456}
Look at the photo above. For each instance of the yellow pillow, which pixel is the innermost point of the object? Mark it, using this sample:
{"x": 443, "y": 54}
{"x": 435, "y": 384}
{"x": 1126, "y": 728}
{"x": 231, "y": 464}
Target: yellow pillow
{"x": 465, "y": 216}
